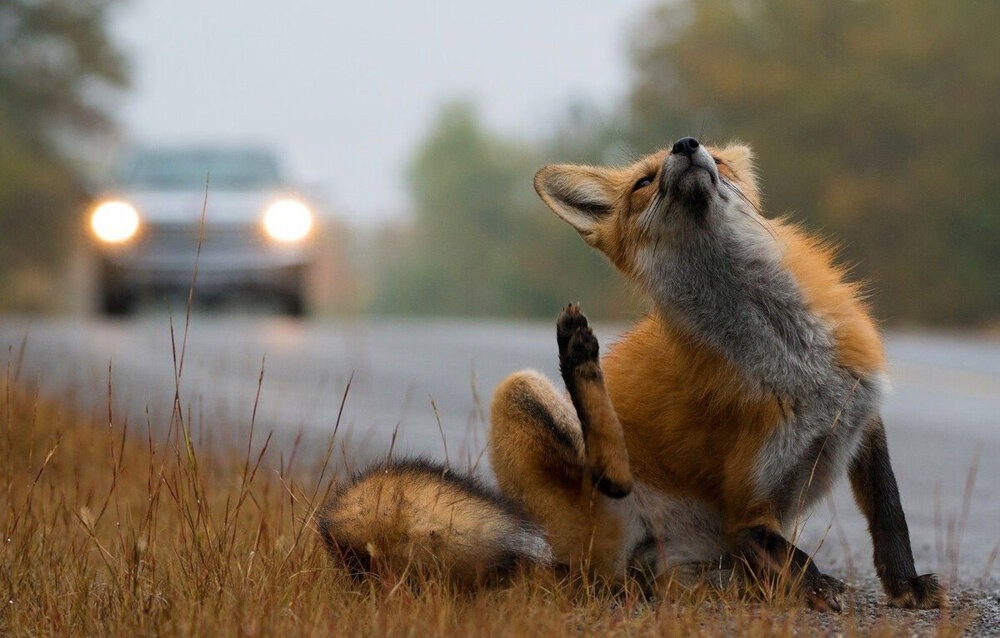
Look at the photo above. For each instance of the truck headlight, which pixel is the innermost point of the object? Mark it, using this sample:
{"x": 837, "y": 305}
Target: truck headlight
{"x": 288, "y": 220}
{"x": 114, "y": 222}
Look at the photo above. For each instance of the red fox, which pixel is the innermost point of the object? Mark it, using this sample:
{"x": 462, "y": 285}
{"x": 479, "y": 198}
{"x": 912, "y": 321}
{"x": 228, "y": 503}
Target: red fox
{"x": 753, "y": 384}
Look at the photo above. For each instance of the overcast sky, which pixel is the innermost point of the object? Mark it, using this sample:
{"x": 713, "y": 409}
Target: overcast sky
{"x": 345, "y": 91}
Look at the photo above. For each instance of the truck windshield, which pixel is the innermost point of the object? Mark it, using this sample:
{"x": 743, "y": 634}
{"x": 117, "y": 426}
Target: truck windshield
{"x": 187, "y": 169}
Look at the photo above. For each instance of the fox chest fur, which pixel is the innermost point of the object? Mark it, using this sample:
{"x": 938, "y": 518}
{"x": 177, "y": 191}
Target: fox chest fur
{"x": 695, "y": 427}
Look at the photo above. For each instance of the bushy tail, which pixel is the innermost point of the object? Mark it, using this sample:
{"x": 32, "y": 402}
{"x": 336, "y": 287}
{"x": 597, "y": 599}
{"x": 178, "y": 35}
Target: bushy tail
{"x": 418, "y": 516}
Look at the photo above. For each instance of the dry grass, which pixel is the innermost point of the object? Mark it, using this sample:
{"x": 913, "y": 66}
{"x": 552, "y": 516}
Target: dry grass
{"x": 110, "y": 531}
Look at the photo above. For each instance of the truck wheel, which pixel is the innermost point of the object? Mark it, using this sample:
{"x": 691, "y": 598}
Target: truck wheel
{"x": 117, "y": 302}
{"x": 293, "y": 304}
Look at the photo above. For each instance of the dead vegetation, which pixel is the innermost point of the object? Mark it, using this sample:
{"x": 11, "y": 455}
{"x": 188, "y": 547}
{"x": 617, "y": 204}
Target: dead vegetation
{"x": 109, "y": 529}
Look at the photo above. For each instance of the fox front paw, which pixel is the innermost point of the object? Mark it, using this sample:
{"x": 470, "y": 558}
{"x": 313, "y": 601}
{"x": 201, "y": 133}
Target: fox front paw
{"x": 577, "y": 343}
{"x": 826, "y": 593}
{"x": 919, "y": 592}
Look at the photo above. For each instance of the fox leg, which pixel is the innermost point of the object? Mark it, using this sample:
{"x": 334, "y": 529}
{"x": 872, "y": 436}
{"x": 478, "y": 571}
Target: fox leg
{"x": 604, "y": 442}
{"x": 770, "y": 556}
{"x": 877, "y": 494}
{"x": 537, "y": 452}
{"x": 766, "y": 557}
{"x": 555, "y": 456}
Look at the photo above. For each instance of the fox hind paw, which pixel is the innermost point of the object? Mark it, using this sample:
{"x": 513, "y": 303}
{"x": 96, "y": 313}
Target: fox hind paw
{"x": 577, "y": 343}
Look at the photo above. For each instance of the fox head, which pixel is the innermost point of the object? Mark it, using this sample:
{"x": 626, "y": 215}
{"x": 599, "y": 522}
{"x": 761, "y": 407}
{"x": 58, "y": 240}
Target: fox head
{"x": 684, "y": 224}
{"x": 660, "y": 206}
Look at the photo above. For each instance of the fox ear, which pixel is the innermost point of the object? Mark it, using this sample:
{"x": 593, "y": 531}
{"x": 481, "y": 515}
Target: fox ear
{"x": 581, "y": 195}
{"x": 740, "y": 159}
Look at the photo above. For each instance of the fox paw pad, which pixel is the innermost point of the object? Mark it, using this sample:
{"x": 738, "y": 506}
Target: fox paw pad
{"x": 577, "y": 343}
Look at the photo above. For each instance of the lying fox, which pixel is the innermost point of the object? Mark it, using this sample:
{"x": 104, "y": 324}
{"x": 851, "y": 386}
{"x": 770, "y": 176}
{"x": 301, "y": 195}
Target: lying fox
{"x": 755, "y": 382}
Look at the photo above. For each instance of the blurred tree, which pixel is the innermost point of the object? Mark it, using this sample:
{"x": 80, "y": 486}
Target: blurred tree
{"x": 56, "y": 62}
{"x": 483, "y": 243}
{"x": 874, "y": 120}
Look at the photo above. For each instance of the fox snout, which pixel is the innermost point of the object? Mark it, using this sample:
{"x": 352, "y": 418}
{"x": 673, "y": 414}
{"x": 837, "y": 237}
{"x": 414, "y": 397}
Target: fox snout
{"x": 689, "y": 175}
{"x": 685, "y": 146}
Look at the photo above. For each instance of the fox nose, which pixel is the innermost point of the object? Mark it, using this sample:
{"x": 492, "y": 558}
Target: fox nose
{"x": 686, "y": 146}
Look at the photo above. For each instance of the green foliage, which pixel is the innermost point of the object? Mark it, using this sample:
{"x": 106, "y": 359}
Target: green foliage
{"x": 483, "y": 243}
{"x": 875, "y": 121}
{"x": 55, "y": 60}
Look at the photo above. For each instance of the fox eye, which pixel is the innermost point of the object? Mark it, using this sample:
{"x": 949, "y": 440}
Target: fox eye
{"x": 642, "y": 183}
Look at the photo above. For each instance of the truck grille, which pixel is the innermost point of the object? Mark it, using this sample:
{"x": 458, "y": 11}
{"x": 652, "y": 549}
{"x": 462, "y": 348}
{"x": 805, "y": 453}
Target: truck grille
{"x": 180, "y": 239}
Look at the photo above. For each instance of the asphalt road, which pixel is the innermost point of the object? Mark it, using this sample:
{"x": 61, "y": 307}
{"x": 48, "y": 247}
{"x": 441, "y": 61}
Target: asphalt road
{"x": 943, "y": 417}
